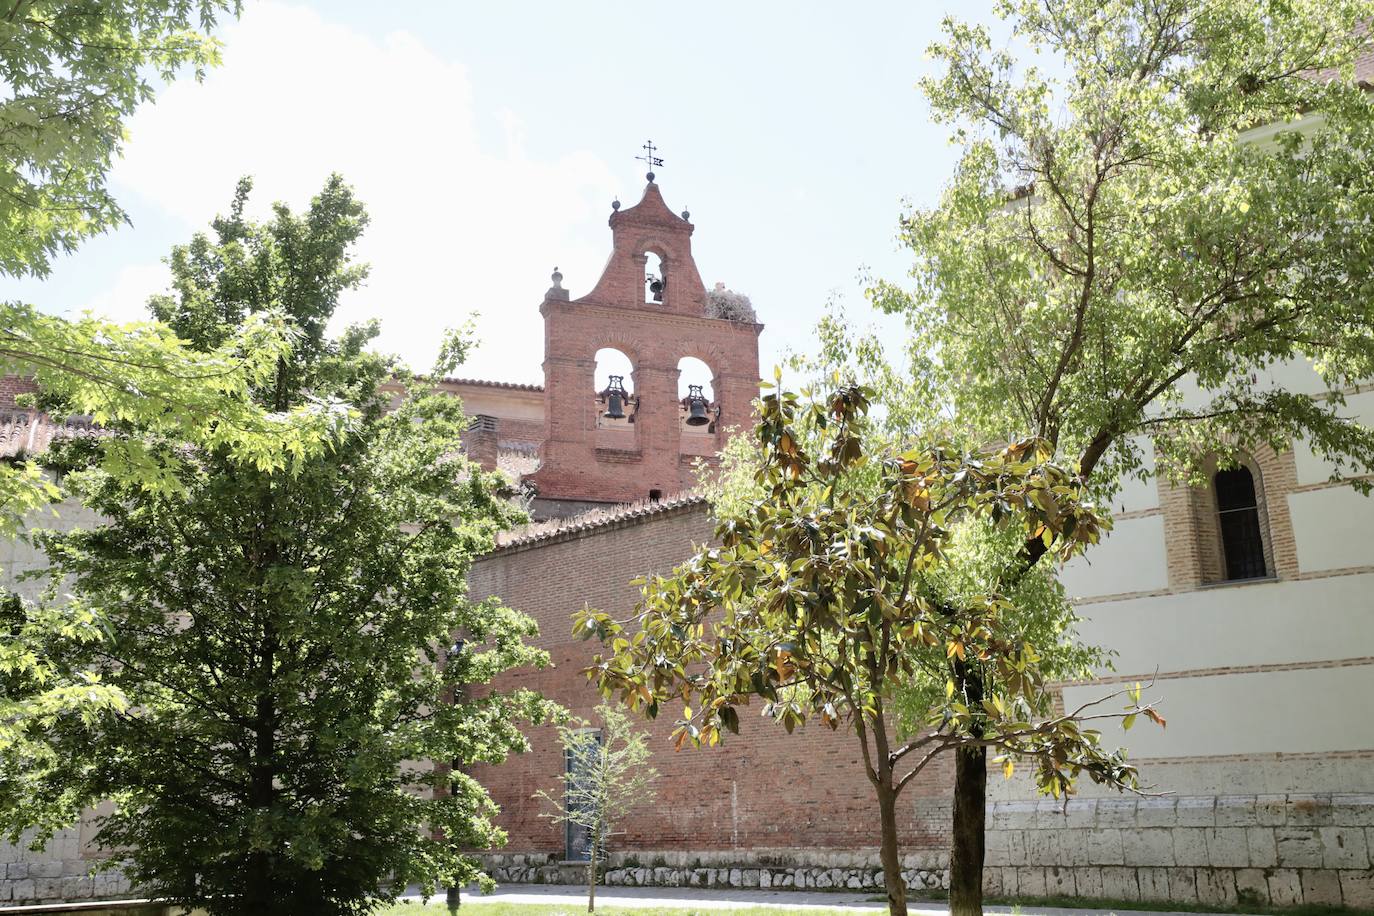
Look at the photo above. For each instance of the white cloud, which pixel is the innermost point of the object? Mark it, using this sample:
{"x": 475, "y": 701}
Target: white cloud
{"x": 126, "y": 298}
{"x": 455, "y": 227}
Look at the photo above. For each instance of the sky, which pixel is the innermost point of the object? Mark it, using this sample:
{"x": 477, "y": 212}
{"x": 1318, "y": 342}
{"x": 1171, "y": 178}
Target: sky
{"x": 488, "y": 141}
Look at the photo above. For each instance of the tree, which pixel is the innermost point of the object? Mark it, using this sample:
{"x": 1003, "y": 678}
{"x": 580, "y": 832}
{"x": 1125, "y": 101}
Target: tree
{"x": 816, "y": 602}
{"x": 72, "y": 73}
{"x": 608, "y": 775}
{"x": 279, "y": 637}
{"x": 1119, "y": 253}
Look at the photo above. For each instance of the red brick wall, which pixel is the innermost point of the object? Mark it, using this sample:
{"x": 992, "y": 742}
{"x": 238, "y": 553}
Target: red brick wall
{"x": 764, "y": 788}
{"x": 13, "y": 385}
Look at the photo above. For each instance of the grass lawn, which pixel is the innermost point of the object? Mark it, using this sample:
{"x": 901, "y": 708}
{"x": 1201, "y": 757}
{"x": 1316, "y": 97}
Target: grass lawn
{"x": 1174, "y": 906}
{"x": 563, "y": 909}
{"x": 475, "y": 906}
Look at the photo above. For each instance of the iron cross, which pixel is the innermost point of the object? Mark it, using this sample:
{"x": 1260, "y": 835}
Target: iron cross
{"x": 653, "y": 161}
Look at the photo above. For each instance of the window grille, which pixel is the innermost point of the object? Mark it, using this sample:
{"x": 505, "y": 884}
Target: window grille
{"x": 1242, "y": 540}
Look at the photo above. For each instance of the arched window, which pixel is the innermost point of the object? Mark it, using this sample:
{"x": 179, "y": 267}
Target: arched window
{"x": 697, "y": 407}
{"x": 614, "y": 385}
{"x": 655, "y": 278}
{"x": 692, "y": 371}
{"x": 1242, "y": 538}
{"x": 611, "y": 362}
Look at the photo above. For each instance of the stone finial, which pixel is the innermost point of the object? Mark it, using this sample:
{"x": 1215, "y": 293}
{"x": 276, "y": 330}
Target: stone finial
{"x": 615, "y": 204}
{"x": 686, "y": 214}
{"x": 556, "y": 291}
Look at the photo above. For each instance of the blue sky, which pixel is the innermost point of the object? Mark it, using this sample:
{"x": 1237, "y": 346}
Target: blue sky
{"x": 489, "y": 139}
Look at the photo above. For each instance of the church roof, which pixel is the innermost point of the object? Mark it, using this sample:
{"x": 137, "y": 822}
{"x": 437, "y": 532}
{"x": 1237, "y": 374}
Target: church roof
{"x": 488, "y": 383}
{"x": 27, "y": 432}
{"x": 614, "y": 516}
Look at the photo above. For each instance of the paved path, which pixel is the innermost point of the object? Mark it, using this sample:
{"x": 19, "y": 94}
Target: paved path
{"x": 702, "y": 899}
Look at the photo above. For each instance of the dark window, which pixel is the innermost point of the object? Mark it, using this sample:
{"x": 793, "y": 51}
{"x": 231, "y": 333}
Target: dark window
{"x": 655, "y": 495}
{"x": 576, "y": 764}
{"x": 1242, "y": 545}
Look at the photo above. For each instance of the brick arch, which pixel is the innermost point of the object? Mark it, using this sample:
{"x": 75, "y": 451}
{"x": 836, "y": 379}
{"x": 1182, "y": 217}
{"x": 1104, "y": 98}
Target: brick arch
{"x": 596, "y": 384}
{"x": 1192, "y": 526}
{"x": 633, "y": 349}
{"x": 652, "y": 244}
{"x": 706, "y": 351}
{"x": 711, "y": 368}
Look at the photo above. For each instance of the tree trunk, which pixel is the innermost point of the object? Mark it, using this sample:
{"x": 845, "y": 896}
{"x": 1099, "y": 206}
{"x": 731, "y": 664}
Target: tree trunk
{"x": 260, "y": 882}
{"x": 591, "y": 875}
{"x": 966, "y": 854}
{"x": 891, "y": 853}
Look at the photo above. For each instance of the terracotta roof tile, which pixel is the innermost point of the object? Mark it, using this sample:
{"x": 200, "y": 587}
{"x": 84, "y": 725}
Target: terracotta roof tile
{"x": 27, "y": 432}
{"x": 596, "y": 518}
{"x": 487, "y": 383}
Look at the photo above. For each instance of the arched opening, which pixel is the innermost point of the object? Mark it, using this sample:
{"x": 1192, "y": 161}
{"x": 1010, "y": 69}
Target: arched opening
{"x": 692, "y": 371}
{"x": 1239, "y": 524}
{"x": 655, "y": 278}
{"x": 616, "y": 404}
{"x": 698, "y": 410}
{"x": 609, "y": 362}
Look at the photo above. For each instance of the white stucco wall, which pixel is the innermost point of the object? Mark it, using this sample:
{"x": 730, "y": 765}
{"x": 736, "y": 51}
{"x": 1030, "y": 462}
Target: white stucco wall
{"x": 1333, "y": 527}
{"x": 1138, "y": 495}
{"x": 1130, "y": 559}
{"x": 1263, "y": 623}
{"x": 1292, "y": 711}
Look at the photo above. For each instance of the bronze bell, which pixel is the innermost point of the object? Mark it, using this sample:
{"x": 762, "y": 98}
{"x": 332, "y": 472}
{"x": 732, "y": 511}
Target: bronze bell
{"x": 696, "y": 407}
{"x": 615, "y": 398}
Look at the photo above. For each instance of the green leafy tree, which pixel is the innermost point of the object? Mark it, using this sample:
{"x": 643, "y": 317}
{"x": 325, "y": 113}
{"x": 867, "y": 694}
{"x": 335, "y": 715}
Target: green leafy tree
{"x": 1133, "y": 237}
{"x": 818, "y": 601}
{"x": 72, "y": 72}
{"x": 279, "y": 636}
{"x": 608, "y": 775}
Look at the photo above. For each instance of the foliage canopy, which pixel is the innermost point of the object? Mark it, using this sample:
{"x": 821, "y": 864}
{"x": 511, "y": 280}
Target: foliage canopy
{"x": 818, "y": 603}
{"x": 280, "y": 637}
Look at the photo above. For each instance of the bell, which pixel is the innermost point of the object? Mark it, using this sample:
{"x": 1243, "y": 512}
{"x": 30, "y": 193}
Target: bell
{"x": 615, "y": 398}
{"x": 696, "y": 407}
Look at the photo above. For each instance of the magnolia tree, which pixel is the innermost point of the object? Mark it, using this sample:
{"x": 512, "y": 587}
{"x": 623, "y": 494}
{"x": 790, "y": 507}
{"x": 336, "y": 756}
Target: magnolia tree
{"x": 818, "y": 603}
{"x": 608, "y": 774}
{"x": 1134, "y": 237}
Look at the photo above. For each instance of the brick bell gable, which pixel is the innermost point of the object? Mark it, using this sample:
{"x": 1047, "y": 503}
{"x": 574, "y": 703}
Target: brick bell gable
{"x": 653, "y": 455}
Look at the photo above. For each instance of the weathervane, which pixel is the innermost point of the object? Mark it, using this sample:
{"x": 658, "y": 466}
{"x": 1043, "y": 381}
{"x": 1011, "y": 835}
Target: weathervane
{"x": 652, "y": 160}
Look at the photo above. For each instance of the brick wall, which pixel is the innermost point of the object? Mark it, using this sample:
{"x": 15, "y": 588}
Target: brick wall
{"x": 13, "y": 385}
{"x": 763, "y": 797}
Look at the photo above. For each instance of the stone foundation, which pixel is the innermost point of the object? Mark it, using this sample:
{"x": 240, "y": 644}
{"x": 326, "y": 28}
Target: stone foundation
{"x": 801, "y": 869}
{"x": 58, "y": 873}
{"x": 1232, "y": 850}
{"x": 1228, "y": 850}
